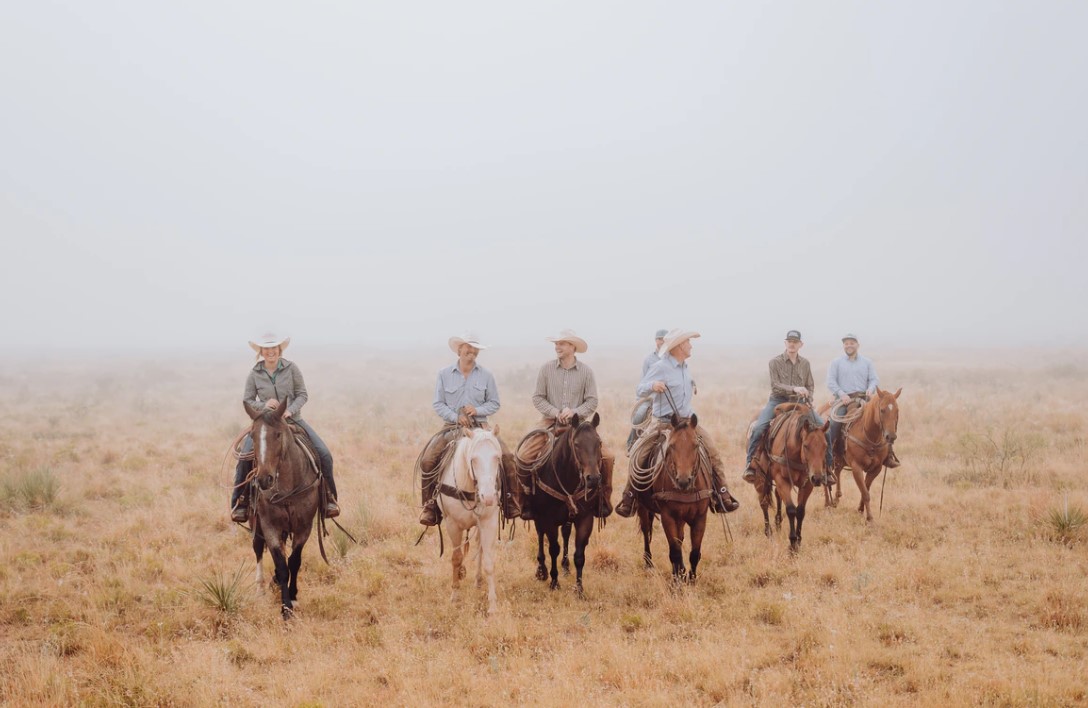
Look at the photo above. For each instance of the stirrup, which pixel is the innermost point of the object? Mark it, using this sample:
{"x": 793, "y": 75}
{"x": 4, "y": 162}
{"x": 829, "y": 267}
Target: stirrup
{"x": 429, "y": 516}
{"x": 240, "y": 513}
{"x": 332, "y": 509}
{"x": 626, "y": 507}
{"x": 750, "y": 475}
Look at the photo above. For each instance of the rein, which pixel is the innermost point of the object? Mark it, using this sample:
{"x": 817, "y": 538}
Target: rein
{"x": 562, "y": 494}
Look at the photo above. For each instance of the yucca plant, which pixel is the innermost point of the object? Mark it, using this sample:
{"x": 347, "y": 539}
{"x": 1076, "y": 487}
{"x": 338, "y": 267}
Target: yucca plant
{"x": 1066, "y": 522}
{"x": 34, "y": 489}
{"x": 226, "y": 593}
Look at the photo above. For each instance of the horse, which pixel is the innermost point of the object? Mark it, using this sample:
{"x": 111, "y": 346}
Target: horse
{"x": 677, "y": 486}
{"x": 286, "y": 495}
{"x": 566, "y": 489}
{"x": 867, "y": 442}
{"x": 468, "y": 493}
{"x": 793, "y": 459}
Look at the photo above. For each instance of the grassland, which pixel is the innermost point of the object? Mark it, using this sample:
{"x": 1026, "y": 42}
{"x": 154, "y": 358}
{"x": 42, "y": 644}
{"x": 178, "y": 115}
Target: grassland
{"x": 971, "y": 588}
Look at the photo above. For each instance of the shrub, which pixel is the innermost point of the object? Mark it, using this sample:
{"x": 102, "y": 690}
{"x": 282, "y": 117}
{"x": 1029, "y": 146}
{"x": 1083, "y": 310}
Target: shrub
{"x": 36, "y": 489}
{"x": 226, "y": 593}
{"x": 1066, "y": 524}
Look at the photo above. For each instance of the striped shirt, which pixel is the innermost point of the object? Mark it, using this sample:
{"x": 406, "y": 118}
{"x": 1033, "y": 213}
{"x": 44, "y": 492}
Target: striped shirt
{"x": 558, "y": 388}
{"x": 846, "y": 376}
{"x": 677, "y": 378}
{"x": 785, "y": 375}
{"x": 453, "y": 390}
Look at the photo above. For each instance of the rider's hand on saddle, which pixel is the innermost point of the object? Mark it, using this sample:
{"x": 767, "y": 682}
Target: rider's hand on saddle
{"x": 844, "y": 399}
{"x": 659, "y": 386}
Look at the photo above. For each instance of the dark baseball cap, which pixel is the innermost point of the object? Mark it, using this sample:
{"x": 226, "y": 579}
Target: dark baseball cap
{"x": 660, "y": 334}
{"x": 793, "y": 334}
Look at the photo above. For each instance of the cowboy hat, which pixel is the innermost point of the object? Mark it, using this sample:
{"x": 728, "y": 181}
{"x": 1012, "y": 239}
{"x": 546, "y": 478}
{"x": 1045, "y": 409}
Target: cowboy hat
{"x": 675, "y": 338}
{"x": 470, "y": 339}
{"x": 568, "y": 335}
{"x": 269, "y": 340}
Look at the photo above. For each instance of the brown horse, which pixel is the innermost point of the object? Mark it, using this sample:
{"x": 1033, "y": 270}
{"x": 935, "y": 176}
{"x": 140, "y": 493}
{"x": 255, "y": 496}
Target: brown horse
{"x": 566, "y": 490}
{"x": 287, "y": 493}
{"x": 793, "y": 459}
{"x": 677, "y": 486}
{"x": 867, "y": 442}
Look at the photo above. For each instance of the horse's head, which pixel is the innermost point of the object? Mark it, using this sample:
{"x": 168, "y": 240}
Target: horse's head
{"x": 814, "y": 448}
{"x": 481, "y": 462}
{"x": 585, "y": 446}
{"x": 682, "y": 451}
{"x": 887, "y": 404}
{"x": 271, "y": 440}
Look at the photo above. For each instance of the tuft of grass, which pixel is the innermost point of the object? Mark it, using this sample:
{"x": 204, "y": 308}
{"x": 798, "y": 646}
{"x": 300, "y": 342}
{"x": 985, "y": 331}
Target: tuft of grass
{"x": 36, "y": 489}
{"x": 226, "y": 593}
{"x": 1066, "y": 524}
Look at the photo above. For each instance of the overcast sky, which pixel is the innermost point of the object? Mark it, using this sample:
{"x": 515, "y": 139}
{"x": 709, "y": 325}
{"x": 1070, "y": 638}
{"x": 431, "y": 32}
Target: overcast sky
{"x": 190, "y": 174}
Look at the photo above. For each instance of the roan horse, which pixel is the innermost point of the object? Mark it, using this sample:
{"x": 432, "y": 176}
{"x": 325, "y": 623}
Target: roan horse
{"x": 468, "y": 496}
{"x": 676, "y": 484}
{"x": 867, "y": 441}
{"x": 793, "y": 459}
{"x": 566, "y": 488}
{"x": 287, "y": 492}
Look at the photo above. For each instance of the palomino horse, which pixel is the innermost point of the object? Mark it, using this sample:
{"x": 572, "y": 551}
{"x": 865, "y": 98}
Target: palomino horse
{"x": 677, "y": 485}
{"x": 566, "y": 489}
{"x": 793, "y": 459}
{"x": 468, "y": 494}
{"x": 867, "y": 441}
{"x": 286, "y": 496}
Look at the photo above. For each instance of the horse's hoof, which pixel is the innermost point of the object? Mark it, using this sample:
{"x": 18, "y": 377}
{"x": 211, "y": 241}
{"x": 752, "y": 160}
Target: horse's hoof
{"x": 649, "y": 562}
{"x": 767, "y": 531}
{"x": 555, "y": 585}
{"x": 461, "y": 573}
{"x": 691, "y": 579}
{"x": 287, "y": 612}
{"x": 541, "y": 574}
{"x": 566, "y": 565}
{"x": 579, "y": 591}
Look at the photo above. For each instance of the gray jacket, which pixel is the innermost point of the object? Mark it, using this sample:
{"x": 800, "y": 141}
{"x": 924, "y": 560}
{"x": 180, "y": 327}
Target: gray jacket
{"x": 286, "y": 386}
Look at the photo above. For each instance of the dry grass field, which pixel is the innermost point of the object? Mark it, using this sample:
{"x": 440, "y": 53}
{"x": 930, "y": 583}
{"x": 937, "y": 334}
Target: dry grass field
{"x": 971, "y": 588}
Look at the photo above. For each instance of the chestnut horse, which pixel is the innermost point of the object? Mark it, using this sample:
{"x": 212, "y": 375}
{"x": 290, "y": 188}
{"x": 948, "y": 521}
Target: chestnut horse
{"x": 566, "y": 489}
{"x": 468, "y": 493}
{"x": 793, "y": 459}
{"x": 677, "y": 485}
{"x": 867, "y": 442}
{"x": 286, "y": 496}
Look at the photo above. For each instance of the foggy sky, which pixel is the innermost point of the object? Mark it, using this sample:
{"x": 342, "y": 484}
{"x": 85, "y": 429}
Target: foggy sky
{"x": 188, "y": 175}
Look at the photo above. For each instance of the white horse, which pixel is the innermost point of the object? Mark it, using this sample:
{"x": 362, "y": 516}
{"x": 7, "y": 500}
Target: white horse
{"x": 468, "y": 495}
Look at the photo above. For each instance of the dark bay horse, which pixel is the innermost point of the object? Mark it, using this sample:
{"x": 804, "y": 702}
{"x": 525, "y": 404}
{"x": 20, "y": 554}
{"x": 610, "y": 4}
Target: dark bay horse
{"x": 286, "y": 495}
{"x": 565, "y": 490}
{"x": 867, "y": 441}
{"x": 677, "y": 486}
{"x": 793, "y": 459}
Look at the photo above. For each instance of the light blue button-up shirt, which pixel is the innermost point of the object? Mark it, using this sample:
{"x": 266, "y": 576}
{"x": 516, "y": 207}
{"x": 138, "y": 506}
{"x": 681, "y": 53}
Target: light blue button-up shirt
{"x": 453, "y": 390}
{"x": 649, "y": 361}
{"x": 846, "y": 376}
{"x": 677, "y": 378}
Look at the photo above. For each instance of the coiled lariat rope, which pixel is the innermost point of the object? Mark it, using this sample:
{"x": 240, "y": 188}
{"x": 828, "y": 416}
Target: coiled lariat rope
{"x": 850, "y": 416}
{"x": 643, "y": 478}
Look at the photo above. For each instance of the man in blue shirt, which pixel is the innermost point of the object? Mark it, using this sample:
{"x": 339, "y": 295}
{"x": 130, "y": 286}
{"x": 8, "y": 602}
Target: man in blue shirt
{"x": 643, "y": 410}
{"x": 465, "y": 394}
{"x": 671, "y": 374}
{"x": 851, "y": 376}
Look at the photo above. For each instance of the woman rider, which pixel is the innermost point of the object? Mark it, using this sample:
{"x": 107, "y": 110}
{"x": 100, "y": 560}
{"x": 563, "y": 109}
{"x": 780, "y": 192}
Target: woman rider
{"x": 275, "y": 382}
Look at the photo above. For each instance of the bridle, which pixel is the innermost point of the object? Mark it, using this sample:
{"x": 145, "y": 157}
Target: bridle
{"x": 274, "y": 496}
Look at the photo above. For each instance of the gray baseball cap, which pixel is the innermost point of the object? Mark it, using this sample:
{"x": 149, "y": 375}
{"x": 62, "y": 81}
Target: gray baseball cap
{"x": 793, "y": 334}
{"x": 849, "y": 336}
{"x": 660, "y": 334}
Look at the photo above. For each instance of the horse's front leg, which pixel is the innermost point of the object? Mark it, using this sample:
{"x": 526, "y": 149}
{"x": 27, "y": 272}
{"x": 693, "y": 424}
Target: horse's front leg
{"x": 859, "y": 479}
{"x": 457, "y": 557}
{"x": 785, "y": 490}
{"x": 646, "y": 524}
{"x": 258, "y": 550}
{"x": 282, "y": 574}
{"x": 674, "y": 534}
{"x": 870, "y": 477}
{"x": 802, "y": 499}
{"x": 489, "y": 535}
{"x": 553, "y": 551}
{"x": 698, "y": 528}
{"x": 566, "y": 541}
{"x": 541, "y": 569}
{"x": 765, "y": 507}
{"x": 581, "y": 540}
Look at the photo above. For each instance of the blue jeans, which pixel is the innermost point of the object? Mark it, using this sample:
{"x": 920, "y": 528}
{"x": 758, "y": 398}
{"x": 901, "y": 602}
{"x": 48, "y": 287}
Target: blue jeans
{"x": 762, "y": 422}
{"x": 324, "y": 459}
{"x": 833, "y": 433}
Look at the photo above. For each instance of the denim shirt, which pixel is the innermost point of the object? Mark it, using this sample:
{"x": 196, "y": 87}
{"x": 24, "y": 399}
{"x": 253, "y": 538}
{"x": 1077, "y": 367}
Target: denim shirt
{"x": 453, "y": 390}
{"x": 677, "y": 378}
{"x": 649, "y": 361}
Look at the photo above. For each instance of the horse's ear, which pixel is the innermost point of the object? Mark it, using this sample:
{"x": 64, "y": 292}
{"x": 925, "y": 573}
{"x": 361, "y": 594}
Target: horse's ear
{"x": 469, "y": 432}
{"x": 496, "y": 431}
{"x": 826, "y": 424}
{"x": 675, "y": 420}
{"x": 878, "y": 392}
{"x": 280, "y": 411}
{"x": 694, "y": 420}
{"x": 899, "y": 392}
{"x": 250, "y": 410}
{"x": 575, "y": 420}
{"x": 596, "y": 419}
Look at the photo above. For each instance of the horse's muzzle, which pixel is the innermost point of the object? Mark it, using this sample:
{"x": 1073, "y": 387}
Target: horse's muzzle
{"x": 890, "y": 437}
{"x": 593, "y": 481}
{"x": 684, "y": 482}
{"x": 265, "y": 482}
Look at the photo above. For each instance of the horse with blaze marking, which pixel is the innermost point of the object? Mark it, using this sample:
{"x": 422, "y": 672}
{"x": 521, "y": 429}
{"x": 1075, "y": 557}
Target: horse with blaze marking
{"x": 867, "y": 441}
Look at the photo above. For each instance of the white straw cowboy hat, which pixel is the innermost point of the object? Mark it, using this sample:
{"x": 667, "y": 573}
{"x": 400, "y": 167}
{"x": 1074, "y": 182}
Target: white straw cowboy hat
{"x": 269, "y": 340}
{"x": 675, "y": 338}
{"x": 568, "y": 335}
{"x": 470, "y": 339}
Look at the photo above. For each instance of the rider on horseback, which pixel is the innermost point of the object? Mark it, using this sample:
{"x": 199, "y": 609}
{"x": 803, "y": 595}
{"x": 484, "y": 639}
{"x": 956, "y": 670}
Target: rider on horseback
{"x": 851, "y": 377}
{"x": 670, "y": 380}
{"x": 564, "y": 387}
{"x": 273, "y": 382}
{"x": 791, "y": 380}
{"x": 465, "y": 394}
{"x": 643, "y": 410}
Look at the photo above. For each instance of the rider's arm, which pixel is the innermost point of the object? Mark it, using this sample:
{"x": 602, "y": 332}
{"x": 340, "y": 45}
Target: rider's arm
{"x": 833, "y": 379}
{"x": 779, "y": 385}
{"x": 590, "y": 403}
{"x": 444, "y": 412}
{"x": 540, "y": 396}
{"x": 646, "y": 386}
{"x": 873, "y": 381}
{"x": 250, "y": 394}
{"x": 298, "y": 393}
{"x": 490, "y": 406}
